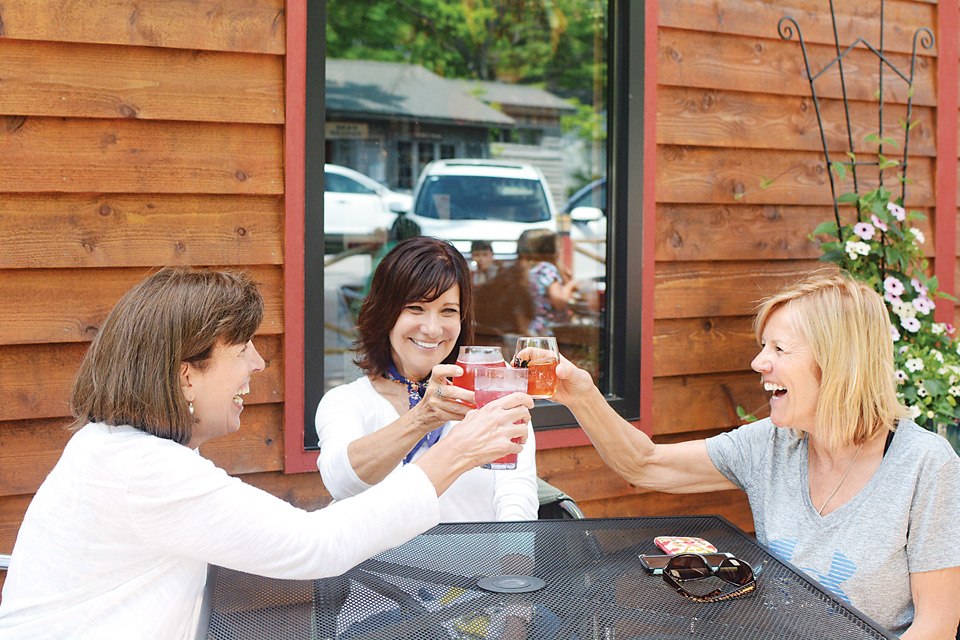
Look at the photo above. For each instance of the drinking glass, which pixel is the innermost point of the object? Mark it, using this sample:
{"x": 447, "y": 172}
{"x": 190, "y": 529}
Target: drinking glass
{"x": 540, "y": 356}
{"x": 491, "y": 383}
{"x": 476, "y": 357}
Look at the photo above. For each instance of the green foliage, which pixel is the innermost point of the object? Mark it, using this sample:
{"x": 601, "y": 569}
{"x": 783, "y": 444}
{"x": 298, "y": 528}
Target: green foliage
{"x": 883, "y": 249}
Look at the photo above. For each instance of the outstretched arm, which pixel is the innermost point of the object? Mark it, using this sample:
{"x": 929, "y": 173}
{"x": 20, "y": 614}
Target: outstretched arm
{"x": 684, "y": 467}
{"x": 936, "y": 606}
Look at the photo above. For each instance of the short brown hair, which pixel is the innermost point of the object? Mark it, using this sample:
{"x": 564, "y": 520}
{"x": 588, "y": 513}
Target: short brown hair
{"x": 416, "y": 269}
{"x": 130, "y": 375}
{"x": 847, "y": 326}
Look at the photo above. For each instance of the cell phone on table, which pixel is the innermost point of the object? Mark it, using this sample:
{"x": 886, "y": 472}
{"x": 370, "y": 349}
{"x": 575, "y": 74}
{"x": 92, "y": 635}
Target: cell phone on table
{"x": 656, "y": 563}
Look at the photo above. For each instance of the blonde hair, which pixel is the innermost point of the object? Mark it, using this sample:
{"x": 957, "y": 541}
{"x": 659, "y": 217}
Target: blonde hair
{"x": 847, "y": 327}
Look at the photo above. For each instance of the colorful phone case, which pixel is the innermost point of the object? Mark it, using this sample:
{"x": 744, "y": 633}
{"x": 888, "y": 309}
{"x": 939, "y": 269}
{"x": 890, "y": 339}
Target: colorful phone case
{"x": 681, "y": 544}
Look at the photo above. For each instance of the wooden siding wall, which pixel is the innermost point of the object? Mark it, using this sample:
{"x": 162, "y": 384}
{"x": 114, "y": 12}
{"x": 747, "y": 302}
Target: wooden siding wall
{"x": 733, "y": 109}
{"x": 132, "y": 134}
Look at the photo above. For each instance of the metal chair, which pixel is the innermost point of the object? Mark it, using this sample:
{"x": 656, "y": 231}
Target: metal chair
{"x": 555, "y": 504}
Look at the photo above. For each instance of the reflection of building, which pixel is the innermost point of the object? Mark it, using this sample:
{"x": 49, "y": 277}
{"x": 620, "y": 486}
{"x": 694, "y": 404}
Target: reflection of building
{"x": 388, "y": 120}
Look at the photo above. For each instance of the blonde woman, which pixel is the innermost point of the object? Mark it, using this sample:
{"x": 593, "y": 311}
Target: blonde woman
{"x": 839, "y": 482}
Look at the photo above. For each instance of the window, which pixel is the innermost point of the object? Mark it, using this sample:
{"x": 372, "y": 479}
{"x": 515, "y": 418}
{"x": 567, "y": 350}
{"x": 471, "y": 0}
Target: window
{"x": 471, "y": 151}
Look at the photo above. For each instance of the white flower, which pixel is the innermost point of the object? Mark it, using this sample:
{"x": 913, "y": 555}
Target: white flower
{"x": 918, "y": 235}
{"x": 904, "y": 310}
{"x": 913, "y": 413}
{"x": 921, "y": 391}
{"x": 900, "y": 376}
{"x": 954, "y": 391}
{"x": 930, "y": 414}
{"x": 910, "y": 324}
{"x": 914, "y": 364}
{"x": 854, "y": 248}
{"x": 894, "y": 333}
{"x": 938, "y": 328}
{"x": 918, "y": 286}
{"x": 936, "y": 354}
{"x": 904, "y": 349}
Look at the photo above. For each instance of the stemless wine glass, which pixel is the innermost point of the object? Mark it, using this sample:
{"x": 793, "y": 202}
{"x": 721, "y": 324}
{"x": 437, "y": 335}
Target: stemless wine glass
{"x": 540, "y": 356}
{"x": 476, "y": 357}
{"x": 492, "y": 383}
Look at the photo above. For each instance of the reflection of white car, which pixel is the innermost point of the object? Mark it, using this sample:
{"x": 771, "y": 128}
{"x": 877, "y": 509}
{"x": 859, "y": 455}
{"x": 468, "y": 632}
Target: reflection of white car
{"x": 357, "y": 205}
{"x": 465, "y": 200}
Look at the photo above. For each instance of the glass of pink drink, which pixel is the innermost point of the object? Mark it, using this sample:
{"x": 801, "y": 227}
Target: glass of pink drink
{"x": 491, "y": 384}
{"x": 473, "y": 358}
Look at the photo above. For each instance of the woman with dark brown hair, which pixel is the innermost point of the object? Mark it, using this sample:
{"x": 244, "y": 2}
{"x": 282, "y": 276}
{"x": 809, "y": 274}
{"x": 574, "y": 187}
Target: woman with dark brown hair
{"x": 116, "y": 542}
{"x": 418, "y": 314}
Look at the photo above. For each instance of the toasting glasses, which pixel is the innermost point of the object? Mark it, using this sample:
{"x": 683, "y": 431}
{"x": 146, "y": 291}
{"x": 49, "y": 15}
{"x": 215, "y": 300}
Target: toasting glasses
{"x": 693, "y": 566}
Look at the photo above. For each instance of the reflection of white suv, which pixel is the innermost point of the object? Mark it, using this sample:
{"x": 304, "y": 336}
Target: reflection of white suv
{"x": 357, "y": 205}
{"x": 465, "y": 200}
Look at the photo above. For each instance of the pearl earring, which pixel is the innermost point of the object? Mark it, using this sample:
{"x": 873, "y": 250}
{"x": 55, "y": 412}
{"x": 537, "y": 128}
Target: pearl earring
{"x": 190, "y": 407}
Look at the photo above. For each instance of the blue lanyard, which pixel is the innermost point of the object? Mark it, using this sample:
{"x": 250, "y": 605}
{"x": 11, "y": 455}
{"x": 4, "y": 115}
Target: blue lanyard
{"x": 415, "y": 391}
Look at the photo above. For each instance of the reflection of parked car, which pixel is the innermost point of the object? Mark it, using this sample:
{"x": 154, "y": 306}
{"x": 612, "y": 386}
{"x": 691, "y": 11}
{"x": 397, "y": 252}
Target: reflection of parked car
{"x": 357, "y": 205}
{"x": 587, "y": 209}
{"x": 464, "y": 200}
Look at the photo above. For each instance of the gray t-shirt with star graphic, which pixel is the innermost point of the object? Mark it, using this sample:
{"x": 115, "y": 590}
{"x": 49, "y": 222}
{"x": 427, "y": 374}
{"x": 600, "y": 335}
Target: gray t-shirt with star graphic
{"x": 904, "y": 520}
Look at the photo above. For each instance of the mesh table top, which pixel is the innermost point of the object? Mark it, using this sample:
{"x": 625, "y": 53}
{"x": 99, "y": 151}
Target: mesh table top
{"x": 594, "y": 589}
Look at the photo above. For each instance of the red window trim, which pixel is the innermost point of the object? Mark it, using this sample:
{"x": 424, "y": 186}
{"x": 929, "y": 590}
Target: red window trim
{"x": 296, "y": 458}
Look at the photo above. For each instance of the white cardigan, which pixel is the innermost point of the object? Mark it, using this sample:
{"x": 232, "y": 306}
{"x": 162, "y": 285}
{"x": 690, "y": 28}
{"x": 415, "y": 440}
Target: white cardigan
{"x": 356, "y": 409}
{"x": 117, "y": 539}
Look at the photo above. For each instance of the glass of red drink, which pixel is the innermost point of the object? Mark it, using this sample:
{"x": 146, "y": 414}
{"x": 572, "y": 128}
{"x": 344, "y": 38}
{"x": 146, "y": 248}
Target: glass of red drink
{"x": 492, "y": 383}
{"x": 472, "y": 358}
{"x": 540, "y": 356}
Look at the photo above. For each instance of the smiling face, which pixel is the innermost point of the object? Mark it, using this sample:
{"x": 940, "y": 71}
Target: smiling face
{"x": 216, "y": 391}
{"x": 425, "y": 333}
{"x": 788, "y": 369}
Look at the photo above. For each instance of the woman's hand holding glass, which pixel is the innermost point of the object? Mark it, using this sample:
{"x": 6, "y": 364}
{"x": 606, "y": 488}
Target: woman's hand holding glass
{"x": 442, "y": 401}
{"x": 485, "y": 434}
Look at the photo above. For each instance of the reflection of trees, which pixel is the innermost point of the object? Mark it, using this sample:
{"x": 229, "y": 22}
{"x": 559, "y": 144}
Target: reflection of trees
{"x": 550, "y": 43}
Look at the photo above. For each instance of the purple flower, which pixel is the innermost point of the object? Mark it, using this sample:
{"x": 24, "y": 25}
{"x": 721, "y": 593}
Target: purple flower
{"x": 892, "y": 298}
{"x": 893, "y": 285}
{"x": 923, "y": 305}
{"x": 918, "y": 286}
{"x": 897, "y": 211}
{"x": 864, "y": 229}
{"x": 878, "y": 223}
{"x": 894, "y": 333}
{"x": 910, "y": 324}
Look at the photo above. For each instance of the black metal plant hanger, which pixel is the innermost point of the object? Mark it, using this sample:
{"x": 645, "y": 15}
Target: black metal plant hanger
{"x": 786, "y": 28}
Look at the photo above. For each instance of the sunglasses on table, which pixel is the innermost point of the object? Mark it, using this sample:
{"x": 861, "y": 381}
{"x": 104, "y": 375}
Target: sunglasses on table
{"x": 693, "y": 566}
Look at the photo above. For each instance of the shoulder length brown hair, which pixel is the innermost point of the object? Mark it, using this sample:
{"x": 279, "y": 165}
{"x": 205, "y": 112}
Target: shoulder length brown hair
{"x": 130, "y": 375}
{"x": 418, "y": 269}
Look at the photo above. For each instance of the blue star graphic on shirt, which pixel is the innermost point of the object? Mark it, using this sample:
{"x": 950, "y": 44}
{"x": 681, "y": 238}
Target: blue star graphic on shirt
{"x": 841, "y": 567}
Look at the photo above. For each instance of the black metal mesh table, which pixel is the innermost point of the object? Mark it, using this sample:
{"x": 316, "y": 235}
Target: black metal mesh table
{"x": 594, "y": 589}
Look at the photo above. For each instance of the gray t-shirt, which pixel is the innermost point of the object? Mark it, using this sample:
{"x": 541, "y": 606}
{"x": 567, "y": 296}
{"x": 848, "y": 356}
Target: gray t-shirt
{"x": 906, "y": 519}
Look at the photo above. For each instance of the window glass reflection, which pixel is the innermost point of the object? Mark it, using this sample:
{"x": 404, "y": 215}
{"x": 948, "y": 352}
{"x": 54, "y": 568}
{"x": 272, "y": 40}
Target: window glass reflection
{"x": 499, "y": 147}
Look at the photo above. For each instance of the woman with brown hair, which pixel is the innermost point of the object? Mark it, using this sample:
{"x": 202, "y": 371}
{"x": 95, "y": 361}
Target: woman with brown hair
{"x": 418, "y": 314}
{"x": 115, "y": 543}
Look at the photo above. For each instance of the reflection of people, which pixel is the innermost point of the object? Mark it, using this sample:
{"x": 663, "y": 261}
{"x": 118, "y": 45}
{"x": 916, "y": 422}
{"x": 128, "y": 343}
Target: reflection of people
{"x": 551, "y": 286}
{"x": 418, "y": 313}
{"x": 116, "y": 542}
{"x": 839, "y": 482}
{"x": 481, "y": 252}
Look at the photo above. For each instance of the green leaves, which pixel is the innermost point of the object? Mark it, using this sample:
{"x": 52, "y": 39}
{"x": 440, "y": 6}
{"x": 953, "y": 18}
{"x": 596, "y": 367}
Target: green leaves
{"x": 839, "y": 169}
{"x": 744, "y": 416}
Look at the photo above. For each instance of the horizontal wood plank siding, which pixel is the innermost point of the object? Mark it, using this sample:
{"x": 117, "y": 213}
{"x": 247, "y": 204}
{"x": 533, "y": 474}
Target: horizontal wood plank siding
{"x": 134, "y": 135}
{"x": 734, "y": 113}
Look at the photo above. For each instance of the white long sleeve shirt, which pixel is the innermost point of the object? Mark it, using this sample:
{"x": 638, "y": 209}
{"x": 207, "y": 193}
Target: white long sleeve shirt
{"x": 351, "y": 411}
{"x": 116, "y": 542}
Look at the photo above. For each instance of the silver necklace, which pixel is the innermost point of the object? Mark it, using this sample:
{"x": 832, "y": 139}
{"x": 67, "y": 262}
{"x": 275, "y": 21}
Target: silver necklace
{"x": 845, "y": 474}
